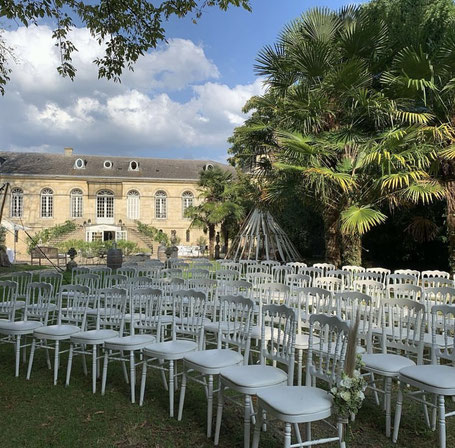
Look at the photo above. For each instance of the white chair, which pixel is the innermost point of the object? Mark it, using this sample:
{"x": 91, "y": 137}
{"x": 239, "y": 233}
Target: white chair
{"x": 147, "y": 302}
{"x": 344, "y": 276}
{"x": 249, "y": 380}
{"x": 411, "y": 272}
{"x": 227, "y": 274}
{"x": 307, "y": 301}
{"x": 259, "y": 278}
{"x": 103, "y": 272}
{"x": 312, "y": 272}
{"x": 376, "y": 290}
{"x": 435, "y": 282}
{"x": 279, "y": 273}
{"x": 187, "y": 336}
{"x": 330, "y": 283}
{"x": 23, "y": 279}
{"x": 116, "y": 280}
{"x": 434, "y": 273}
{"x": 110, "y": 306}
{"x": 204, "y": 366}
{"x": 435, "y": 378}
{"x": 269, "y": 264}
{"x": 256, "y": 268}
{"x": 297, "y": 281}
{"x": 171, "y": 273}
{"x": 294, "y": 405}
{"x": 437, "y": 296}
{"x": 129, "y": 271}
{"x": 382, "y": 271}
{"x": 405, "y": 291}
{"x": 403, "y": 323}
{"x": 71, "y": 320}
{"x": 297, "y": 266}
{"x": 35, "y": 315}
{"x": 195, "y": 273}
{"x": 353, "y": 269}
{"x": 367, "y": 275}
{"x": 78, "y": 270}
{"x": 324, "y": 266}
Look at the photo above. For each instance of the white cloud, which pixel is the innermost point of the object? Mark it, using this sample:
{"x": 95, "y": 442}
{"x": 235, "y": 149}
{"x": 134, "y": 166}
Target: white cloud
{"x": 43, "y": 111}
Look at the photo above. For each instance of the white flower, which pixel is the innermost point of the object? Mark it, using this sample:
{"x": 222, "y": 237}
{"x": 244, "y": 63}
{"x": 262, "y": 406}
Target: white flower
{"x": 360, "y": 395}
{"x": 346, "y": 395}
{"x": 334, "y": 390}
{"x": 346, "y": 382}
{"x": 357, "y": 374}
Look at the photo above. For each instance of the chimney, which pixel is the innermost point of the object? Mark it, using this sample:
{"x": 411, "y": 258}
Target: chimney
{"x": 68, "y": 152}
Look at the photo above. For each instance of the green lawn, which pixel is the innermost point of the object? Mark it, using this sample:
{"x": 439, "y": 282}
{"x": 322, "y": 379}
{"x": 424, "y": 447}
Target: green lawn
{"x": 37, "y": 414}
{"x": 22, "y": 267}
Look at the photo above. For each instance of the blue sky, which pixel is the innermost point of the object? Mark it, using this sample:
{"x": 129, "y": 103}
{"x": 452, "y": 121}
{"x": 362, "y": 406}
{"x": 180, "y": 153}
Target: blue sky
{"x": 183, "y": 99}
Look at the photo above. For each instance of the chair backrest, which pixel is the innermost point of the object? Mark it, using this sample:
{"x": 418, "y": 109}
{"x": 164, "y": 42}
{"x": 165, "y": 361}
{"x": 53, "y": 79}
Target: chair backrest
{"x": 349, "y": 305}
{"x": 116, "y": 280}
{"x": 236, "y": 315}
{"x": 279, "y": 273}
{"x": 147, "y": 271}
{"x": 77, "y": 298}
{"x": 245, "y": 264}
{"x": 367, "y": 275}
{"x": 373, "y": 288}
{"x": 235, "y": 288}
{"x": 435, "y": 282}
{"x": 201, "y": 265}
{"x": 324, "y": 266}
{"x": 129, "y": 271}
{"x": 233, "y": 266}
{"x": 227, "y": 274}
{"x": 140, "y": 282}
{"x": 146, "y": 310}
{"x": 312, "y": 272}
{"x": 405, "y": 291}
{"x": 437, "y": 296}
{"x": 296, "y": 266}
{"x": 53, "y": 278}
{"x": 443, "y": 333}
{"x": 103, "y": 272}
{"x": 382, "y": 271}
{"x": 353, "y": 269}
{"x": 23, "y": 279}
{"x": 37, "y": 299}
{"x": 282, "y": 323}
{"x": 111, "y": 308}
{"x": 93, "y": 281}
{"x": 171, "y": 273}
{"x": 197, "y": 273}
{"x": 297, "y": 281}
{"x": 259, "y": 278}
{"x": 274, "y": 293}
{"x": 344, "y": 276}
{"x": 326, "y": 348}
{"x": 202, "y": 284}
{"x": 403, "y": 326}
{"x": 255, "y": 268}
{"x": 412, "y": 272}
{"x": 8, "y": 296}
{"x": 331, "y": 283}
{"x": 78, "y": 270}
{"x": 434, "y": 273}
{"x": 270, "y": 264}
{"x": 189, "y": 309}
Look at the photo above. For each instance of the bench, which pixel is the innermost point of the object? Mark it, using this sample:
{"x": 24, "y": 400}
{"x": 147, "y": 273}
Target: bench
{"x": 44, "y": 252}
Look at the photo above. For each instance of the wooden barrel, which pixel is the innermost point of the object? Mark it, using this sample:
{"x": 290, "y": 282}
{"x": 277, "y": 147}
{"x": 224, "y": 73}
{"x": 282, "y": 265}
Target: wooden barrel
{"x": 114, "y": 258}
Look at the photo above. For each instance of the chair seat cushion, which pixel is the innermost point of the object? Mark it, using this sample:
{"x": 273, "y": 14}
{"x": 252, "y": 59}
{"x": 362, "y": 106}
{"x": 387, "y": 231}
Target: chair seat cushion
{"x": 19, "y": 327}
{"x": 19, "y": 304}
{"x": 215, "y": 359}
{"x": 297, "y": 400}
{"x": 94, "y": 337}
{"x": 254, "y": 376}
{"x": 56, "y": 331}
{"x": 441, "y": 377}
{"x": 170, "y": 349}
{"x": 212, "y": 327}
{"x": 387, "y": 363}
{"x": 134, "y": 342}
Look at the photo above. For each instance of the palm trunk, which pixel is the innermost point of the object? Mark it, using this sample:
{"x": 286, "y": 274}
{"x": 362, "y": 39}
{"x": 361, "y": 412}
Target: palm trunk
{"x": 211, "y": 240}
{"x": 225, "y": 232}
{"x": 351, "y": 249}
{"x": 332, "y": 237}
{"x": 450, "y": 199}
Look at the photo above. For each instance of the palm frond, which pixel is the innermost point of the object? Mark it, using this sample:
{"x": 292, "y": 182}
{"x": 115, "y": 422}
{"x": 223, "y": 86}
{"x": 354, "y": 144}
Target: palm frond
{"x": 360, "y": 219}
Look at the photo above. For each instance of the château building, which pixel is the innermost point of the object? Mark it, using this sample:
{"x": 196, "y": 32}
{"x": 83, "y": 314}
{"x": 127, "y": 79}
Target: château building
{"x": 104, "y": 195}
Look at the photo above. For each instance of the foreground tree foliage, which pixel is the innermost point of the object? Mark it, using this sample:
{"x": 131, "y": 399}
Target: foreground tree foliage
{"x": 127, "y": 29}
{"x": 365, "y": 119}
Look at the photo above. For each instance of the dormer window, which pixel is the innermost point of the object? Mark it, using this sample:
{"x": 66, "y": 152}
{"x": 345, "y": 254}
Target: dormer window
{"x": 134, "y": 166}
{"x": 107, "y": 164}
{"x": 79, "y": 164}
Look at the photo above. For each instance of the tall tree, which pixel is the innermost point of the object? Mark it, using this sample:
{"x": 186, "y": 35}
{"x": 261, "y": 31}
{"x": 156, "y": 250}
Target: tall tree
{"x": 127, "y": 29}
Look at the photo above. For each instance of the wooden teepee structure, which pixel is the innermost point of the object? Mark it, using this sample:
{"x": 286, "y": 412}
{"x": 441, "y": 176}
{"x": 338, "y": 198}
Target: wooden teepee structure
{"x": 261, "y": 238}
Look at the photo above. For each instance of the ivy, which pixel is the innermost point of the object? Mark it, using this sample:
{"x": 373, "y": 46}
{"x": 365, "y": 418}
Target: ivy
{"x": 153, "y": 233}
{"x": 51, "y": 232}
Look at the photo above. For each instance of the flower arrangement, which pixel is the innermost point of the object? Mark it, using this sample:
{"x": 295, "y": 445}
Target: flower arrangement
{"x": 348, "y": 394}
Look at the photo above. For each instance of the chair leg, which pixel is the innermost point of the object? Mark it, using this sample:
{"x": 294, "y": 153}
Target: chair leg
{"x": 434, "y": 413}
{"x": 18, "y": 354}
{"x": 287, "y": 435}
{"x": 425, "y": 411}
{"x": 70, "y": 363}
{"x": 171, "y": 388}
{"x": 103, "y": 381}
{"x": 132, "y": 376}
{"x": 56, "y": 361}
{"x": 84, "y": 361}
{"x": 247, "y": 422}
{"x": 143, "y": 380}
{"x": 125, "y": 371}
{"x": 163, "y": 376}
{"x": 94, "y": 368}
{"x": 442, "y": 421}
{"x": 219, "y": 413}
{"x": 257, "y": 428}
{"x": 341, "y": 427}
{"x": 48, "y": 358}
{"x": 209, "y": 406}
{"x": 308, "y": 431}
{"x": 297, "y": 433}
{"x": 299, "y": 366}
{"x": 30, "y": 361}
{"x": 182, "y": 395}
{"x": 375, "y": 393}
{"x": 396, "y": 424}
{"x": 388, "y": 403}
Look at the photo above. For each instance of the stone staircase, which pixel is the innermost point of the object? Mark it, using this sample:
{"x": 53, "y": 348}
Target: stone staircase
{"x": 142, "y": 240}
{"x": 78, "y": 234}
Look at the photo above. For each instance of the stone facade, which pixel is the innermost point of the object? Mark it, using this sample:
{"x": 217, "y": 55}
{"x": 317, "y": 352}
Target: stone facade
{"x": 93, "y": 214}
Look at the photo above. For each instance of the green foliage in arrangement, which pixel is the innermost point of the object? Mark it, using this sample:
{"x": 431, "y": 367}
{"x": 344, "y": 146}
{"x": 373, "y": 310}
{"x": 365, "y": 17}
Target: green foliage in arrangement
{"x": 153, "y": 233}
{"x": 41, "y": 238}
{"x": 97, "y": 248}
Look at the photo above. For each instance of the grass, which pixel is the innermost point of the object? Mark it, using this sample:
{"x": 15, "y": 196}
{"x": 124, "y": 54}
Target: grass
{"x": 37, "y": 414}
{"x": 22, "y": 267}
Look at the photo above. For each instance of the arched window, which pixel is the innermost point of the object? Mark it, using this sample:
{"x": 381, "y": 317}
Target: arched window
{"x": 133, "y": 210}
{"x": 17, "y": 202}
{"x": 47, "y": 203}
{"x": 76, "y": 203}
{"x": 105, "y": 204}
{"x": 187, "y": 201}
{"x": 160, "y": 205}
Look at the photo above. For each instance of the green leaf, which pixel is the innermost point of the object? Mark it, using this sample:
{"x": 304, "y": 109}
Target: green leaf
{"x": 360, "y": 219}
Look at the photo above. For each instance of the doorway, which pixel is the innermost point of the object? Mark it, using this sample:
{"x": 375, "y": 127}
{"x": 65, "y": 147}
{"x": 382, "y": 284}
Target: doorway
{"x": 108, "y": 235}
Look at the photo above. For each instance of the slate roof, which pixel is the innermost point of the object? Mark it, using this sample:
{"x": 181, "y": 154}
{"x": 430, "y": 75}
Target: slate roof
{"x": 60, "y": 165}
